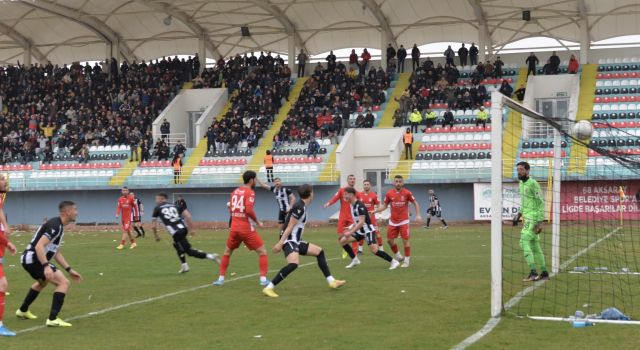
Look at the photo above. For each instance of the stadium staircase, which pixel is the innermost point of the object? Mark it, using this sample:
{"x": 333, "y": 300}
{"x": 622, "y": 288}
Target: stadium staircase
{"x": 387, "y": 117}
{"x": 124, "y": 173}
{"x": 201, "y": 149}
{"x": 187, "y": 85}
{"x": 579, "y": 154}
{"x": 267, "y": 139}
{"x": 512, "y": 132}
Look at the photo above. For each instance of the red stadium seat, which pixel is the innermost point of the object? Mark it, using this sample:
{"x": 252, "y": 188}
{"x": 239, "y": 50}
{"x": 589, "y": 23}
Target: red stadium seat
{"x": 625, "y": 75}
{"x": 617, "y": 75}
{"x": 606, "y": 99}
{"x": 600, "y": 76}
{"x": 623, "y": 99}
{"x": 632, "y": 98}
{"x": 633, "y": 74}
{"x": 422, "y": 147}
{"x": 317, "y": 160}
{"x": 431, "y": 147}
{"x": 439, "y": 147}
{"x": 376, "y": 108}
{"x": 608, "y": 76}
{"x": 597, "y": 100}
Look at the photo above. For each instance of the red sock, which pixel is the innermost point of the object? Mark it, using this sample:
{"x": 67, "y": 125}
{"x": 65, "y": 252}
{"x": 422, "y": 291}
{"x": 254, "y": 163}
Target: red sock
{"x": 133, "y": 240}
{"x": 224, "y": 263}
{"x": 394, "y": 248}
{"x": 361, "y": 243}
{"x": 123, "y": 242}
{"x": 407, "y": 251}
{"x": 264, "y": 265}
{"x": 1, "y": 304}
{"x": 379, "y": 239}
{"x": 354, "y": 246}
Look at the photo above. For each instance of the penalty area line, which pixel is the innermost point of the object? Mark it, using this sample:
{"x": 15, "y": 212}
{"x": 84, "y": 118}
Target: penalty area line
{"x": 156, "y": 298}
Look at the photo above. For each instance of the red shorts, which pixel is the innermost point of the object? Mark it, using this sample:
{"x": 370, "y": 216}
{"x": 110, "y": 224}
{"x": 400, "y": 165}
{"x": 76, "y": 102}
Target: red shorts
{"x": 126, "y": 226}
{"x": 395, "y": 231}
{"x": 342, "y": 225}
{"x": 252, "y": 240}
{"x": 1, "y": 270}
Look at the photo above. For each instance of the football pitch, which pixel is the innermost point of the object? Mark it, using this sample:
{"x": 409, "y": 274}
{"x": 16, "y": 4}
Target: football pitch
{"x": 135, "y": 299}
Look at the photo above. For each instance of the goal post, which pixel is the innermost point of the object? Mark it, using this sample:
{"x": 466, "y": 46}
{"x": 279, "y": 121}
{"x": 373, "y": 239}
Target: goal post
{"x": 590, "y": 237}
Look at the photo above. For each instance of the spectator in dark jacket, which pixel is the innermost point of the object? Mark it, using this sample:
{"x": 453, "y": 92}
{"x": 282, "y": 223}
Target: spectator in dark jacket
{"x": 506, "y": 89}
{"x": 415, "y": 57}
{"x": 313, "y": 148}
{"x": 165, "y": 129}
{"x": 532, "y": 62}
{"x": 554, "y": 61}
{"x": 402, "y": 54}
{"x": 448, "y": 118}
{"x": 473, "y": 54}
{"x": 449, "y": 54}
{"x": 391, "y": 53}
{"x": 462, "y": 54}
{"x": 211, "y": 140}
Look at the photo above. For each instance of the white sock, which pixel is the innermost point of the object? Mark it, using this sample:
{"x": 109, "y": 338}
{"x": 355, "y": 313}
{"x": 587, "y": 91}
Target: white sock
{"x": 221, "y": 278}
{"x": 1, "y": 324}
{"x": 185, "y": 266}
{"x": 381, "y": 248}
{"x": 398, "y": 256}
{"x": 271, "y": 286}
{"x": 406, "y": 259}
{"x": 330, "y": 279}
{"x": 263, "y": 278}
{"x": 210, "y": 256}
{"x": 359, "y": 249}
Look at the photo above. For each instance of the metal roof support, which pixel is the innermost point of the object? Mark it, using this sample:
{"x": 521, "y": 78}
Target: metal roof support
{"x": 94, "y": 24}
{"x": 585, "y": 40}
{"x": 188, "y": 21}
{"x": 24, "y": 42}
{"x": 283, "y": 19}
{"x": 384, "y": 24}
{"x": 484, "y": 35}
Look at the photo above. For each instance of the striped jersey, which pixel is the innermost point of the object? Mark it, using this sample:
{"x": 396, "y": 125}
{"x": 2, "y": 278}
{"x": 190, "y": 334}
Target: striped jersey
{"x": 170, "y": 217}
{"x": 53, "y": 230}
{"x": 359, "y": 209}
{"x": 434, "y": 202}
{"x": 282, "y": 197}
{"x": 298, "y": 212}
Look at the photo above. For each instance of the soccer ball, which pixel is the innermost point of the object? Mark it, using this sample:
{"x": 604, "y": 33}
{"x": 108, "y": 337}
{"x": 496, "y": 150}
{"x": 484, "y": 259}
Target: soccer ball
{"x": 582, "y": 130}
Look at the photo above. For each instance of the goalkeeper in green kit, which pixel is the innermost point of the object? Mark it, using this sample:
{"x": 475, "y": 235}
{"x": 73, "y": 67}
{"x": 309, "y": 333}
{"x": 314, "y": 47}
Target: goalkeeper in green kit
{"x": 532, "y": 211}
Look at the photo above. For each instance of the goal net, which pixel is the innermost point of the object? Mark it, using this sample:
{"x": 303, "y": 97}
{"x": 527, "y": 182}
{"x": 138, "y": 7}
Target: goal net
{"x": 589, "y": 242}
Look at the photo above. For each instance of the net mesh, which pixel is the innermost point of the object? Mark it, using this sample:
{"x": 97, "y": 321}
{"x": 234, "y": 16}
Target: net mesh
{"x": 595, "y": 261}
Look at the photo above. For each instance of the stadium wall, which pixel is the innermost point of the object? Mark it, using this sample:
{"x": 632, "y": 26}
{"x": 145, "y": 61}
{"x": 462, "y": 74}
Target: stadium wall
{"x": 209, "y": 204}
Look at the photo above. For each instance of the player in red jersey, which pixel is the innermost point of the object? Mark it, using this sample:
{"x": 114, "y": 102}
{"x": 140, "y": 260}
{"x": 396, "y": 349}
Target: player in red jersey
{"x": 5, "y": 232}
{"x": 370, "y": 200}
{"x": 345, "y": 218}
{"x": 126, "y": 206}
{"x": 399, "y": 198}
{"x": 242, "y": 231}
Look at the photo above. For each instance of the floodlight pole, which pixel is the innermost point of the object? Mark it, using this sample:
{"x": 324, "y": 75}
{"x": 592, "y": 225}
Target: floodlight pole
{"x": 496, "y": 203}
{"x": 555, "y": 204}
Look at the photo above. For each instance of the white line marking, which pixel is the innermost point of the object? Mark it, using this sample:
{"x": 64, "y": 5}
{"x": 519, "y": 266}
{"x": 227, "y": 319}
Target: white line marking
{"x": 493, "y": 322}
{"x": 159, "y": 297}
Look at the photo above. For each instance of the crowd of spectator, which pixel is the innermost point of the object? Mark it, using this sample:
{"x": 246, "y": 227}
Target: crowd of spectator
{"x": 51, "y": 111}
{"x": 329, "y": 98}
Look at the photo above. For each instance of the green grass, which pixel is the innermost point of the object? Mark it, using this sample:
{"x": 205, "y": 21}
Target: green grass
{"x": 445, "y": 299}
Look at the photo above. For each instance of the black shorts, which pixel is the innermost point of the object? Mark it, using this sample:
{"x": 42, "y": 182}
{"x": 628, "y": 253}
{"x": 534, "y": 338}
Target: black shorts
{"x": 434, "y": 212}
{"x": 137, "y": 219}
{"x": 370, "y": 237}
{"x": 293, "y": 247}
{"x": 181, "y": 243}
{"x": 282, "y": 215}
{"x": 36, "y": 271}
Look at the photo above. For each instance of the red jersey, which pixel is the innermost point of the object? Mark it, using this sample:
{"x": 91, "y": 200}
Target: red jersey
{"x": 399, "y": 206}
{"x": 126, "y": 205}
{"x": 241, "y": 208}
{"x": 345, "y": 206}
{"x": 3, "y": 238}
{"x": 370, "y": 201}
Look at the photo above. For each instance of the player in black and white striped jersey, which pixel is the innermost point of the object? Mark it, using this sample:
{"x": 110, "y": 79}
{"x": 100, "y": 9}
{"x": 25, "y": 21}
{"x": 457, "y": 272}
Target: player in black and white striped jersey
{"x": 435, "y": 209}
{"x": 36, "y": 260}
{"x": 284, "y": 197}
{"x": 293, "y": 246}
{"x": 361, "y": 229}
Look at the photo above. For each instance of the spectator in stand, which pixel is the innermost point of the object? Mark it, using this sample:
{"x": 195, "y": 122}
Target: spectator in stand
{"x": 462, "y": 54}
{"x": 165, "y": 129}
{"x": 415, "y": 58}
{"x": 519, "y": 94}
{"x": 398, "y": 118}
{"x": 473, "y": 54}
{"x": 408, "y": 144}
{"x": 573, "y": 65}
{"x": 448, "y": 118}
{"x": 369, "y": 119}
{"x": 488, "y": 69}
{"x": 402, "y": 55}
{"x": 353, "y": 60}
{"x": 547, "y": 69}
{"x": 313, "y": 148}
{"x": 162, "y": 150}
{"x": 252, "y": 140}
{"x": 532, "y": 62}
{"x": 482, "y": 117}
{"x": 416, "y": 119}
{"x": 554, "y": 61}
{"x": 84, "y": 154}
{"x": 506, "y": 89}
{"x": 366, "y": 57}
{"x": 331, "y": 61}
{"x": 497, "y": 68}
{"x": 179, "y": 148}
{"x": 449, "y": 55}
{"x": 359, "y": 121}
{"x": 391, "y": 53}
{"x": 48, "y": 155}
{"x": 302, "y": 62}
{"x": 211, "y": 139}
{"x": 144, "y": 151}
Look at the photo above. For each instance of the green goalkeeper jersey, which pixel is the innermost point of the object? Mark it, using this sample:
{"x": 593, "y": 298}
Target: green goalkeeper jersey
{"x": 532, "y": 206}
